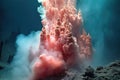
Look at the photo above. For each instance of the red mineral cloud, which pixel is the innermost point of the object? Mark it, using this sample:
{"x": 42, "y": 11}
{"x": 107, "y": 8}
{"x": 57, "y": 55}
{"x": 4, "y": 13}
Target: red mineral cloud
{"x": 63, "y": 41}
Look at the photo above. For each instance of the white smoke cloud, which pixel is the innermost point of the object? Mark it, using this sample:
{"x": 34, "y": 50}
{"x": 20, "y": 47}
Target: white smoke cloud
{"x": 39, "y": 1}
{"x": 41, "y": 10}
{"x": 20, "y": 68}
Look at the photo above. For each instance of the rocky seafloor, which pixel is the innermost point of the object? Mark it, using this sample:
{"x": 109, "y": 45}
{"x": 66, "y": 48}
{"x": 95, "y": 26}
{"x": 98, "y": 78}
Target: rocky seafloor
{"x": 108, "y": 72}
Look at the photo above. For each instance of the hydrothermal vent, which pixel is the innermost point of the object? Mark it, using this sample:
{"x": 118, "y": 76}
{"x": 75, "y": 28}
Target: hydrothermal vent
{"x": 63, "y": 40}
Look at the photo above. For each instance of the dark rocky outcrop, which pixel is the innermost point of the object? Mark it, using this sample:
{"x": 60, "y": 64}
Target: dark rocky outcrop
{"x": 109, "y": 72}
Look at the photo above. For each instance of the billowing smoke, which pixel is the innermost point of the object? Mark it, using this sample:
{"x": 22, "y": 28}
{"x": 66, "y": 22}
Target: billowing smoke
{"x": 63, "y": 41}
{"x": 62, "y": 44}
{"x": 100, "y": 19}
{"x": 20, "y": 68}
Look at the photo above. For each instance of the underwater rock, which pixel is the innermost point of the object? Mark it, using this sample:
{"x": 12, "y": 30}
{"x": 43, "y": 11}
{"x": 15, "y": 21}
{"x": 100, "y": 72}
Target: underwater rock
{"x": 108, "y": 72}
